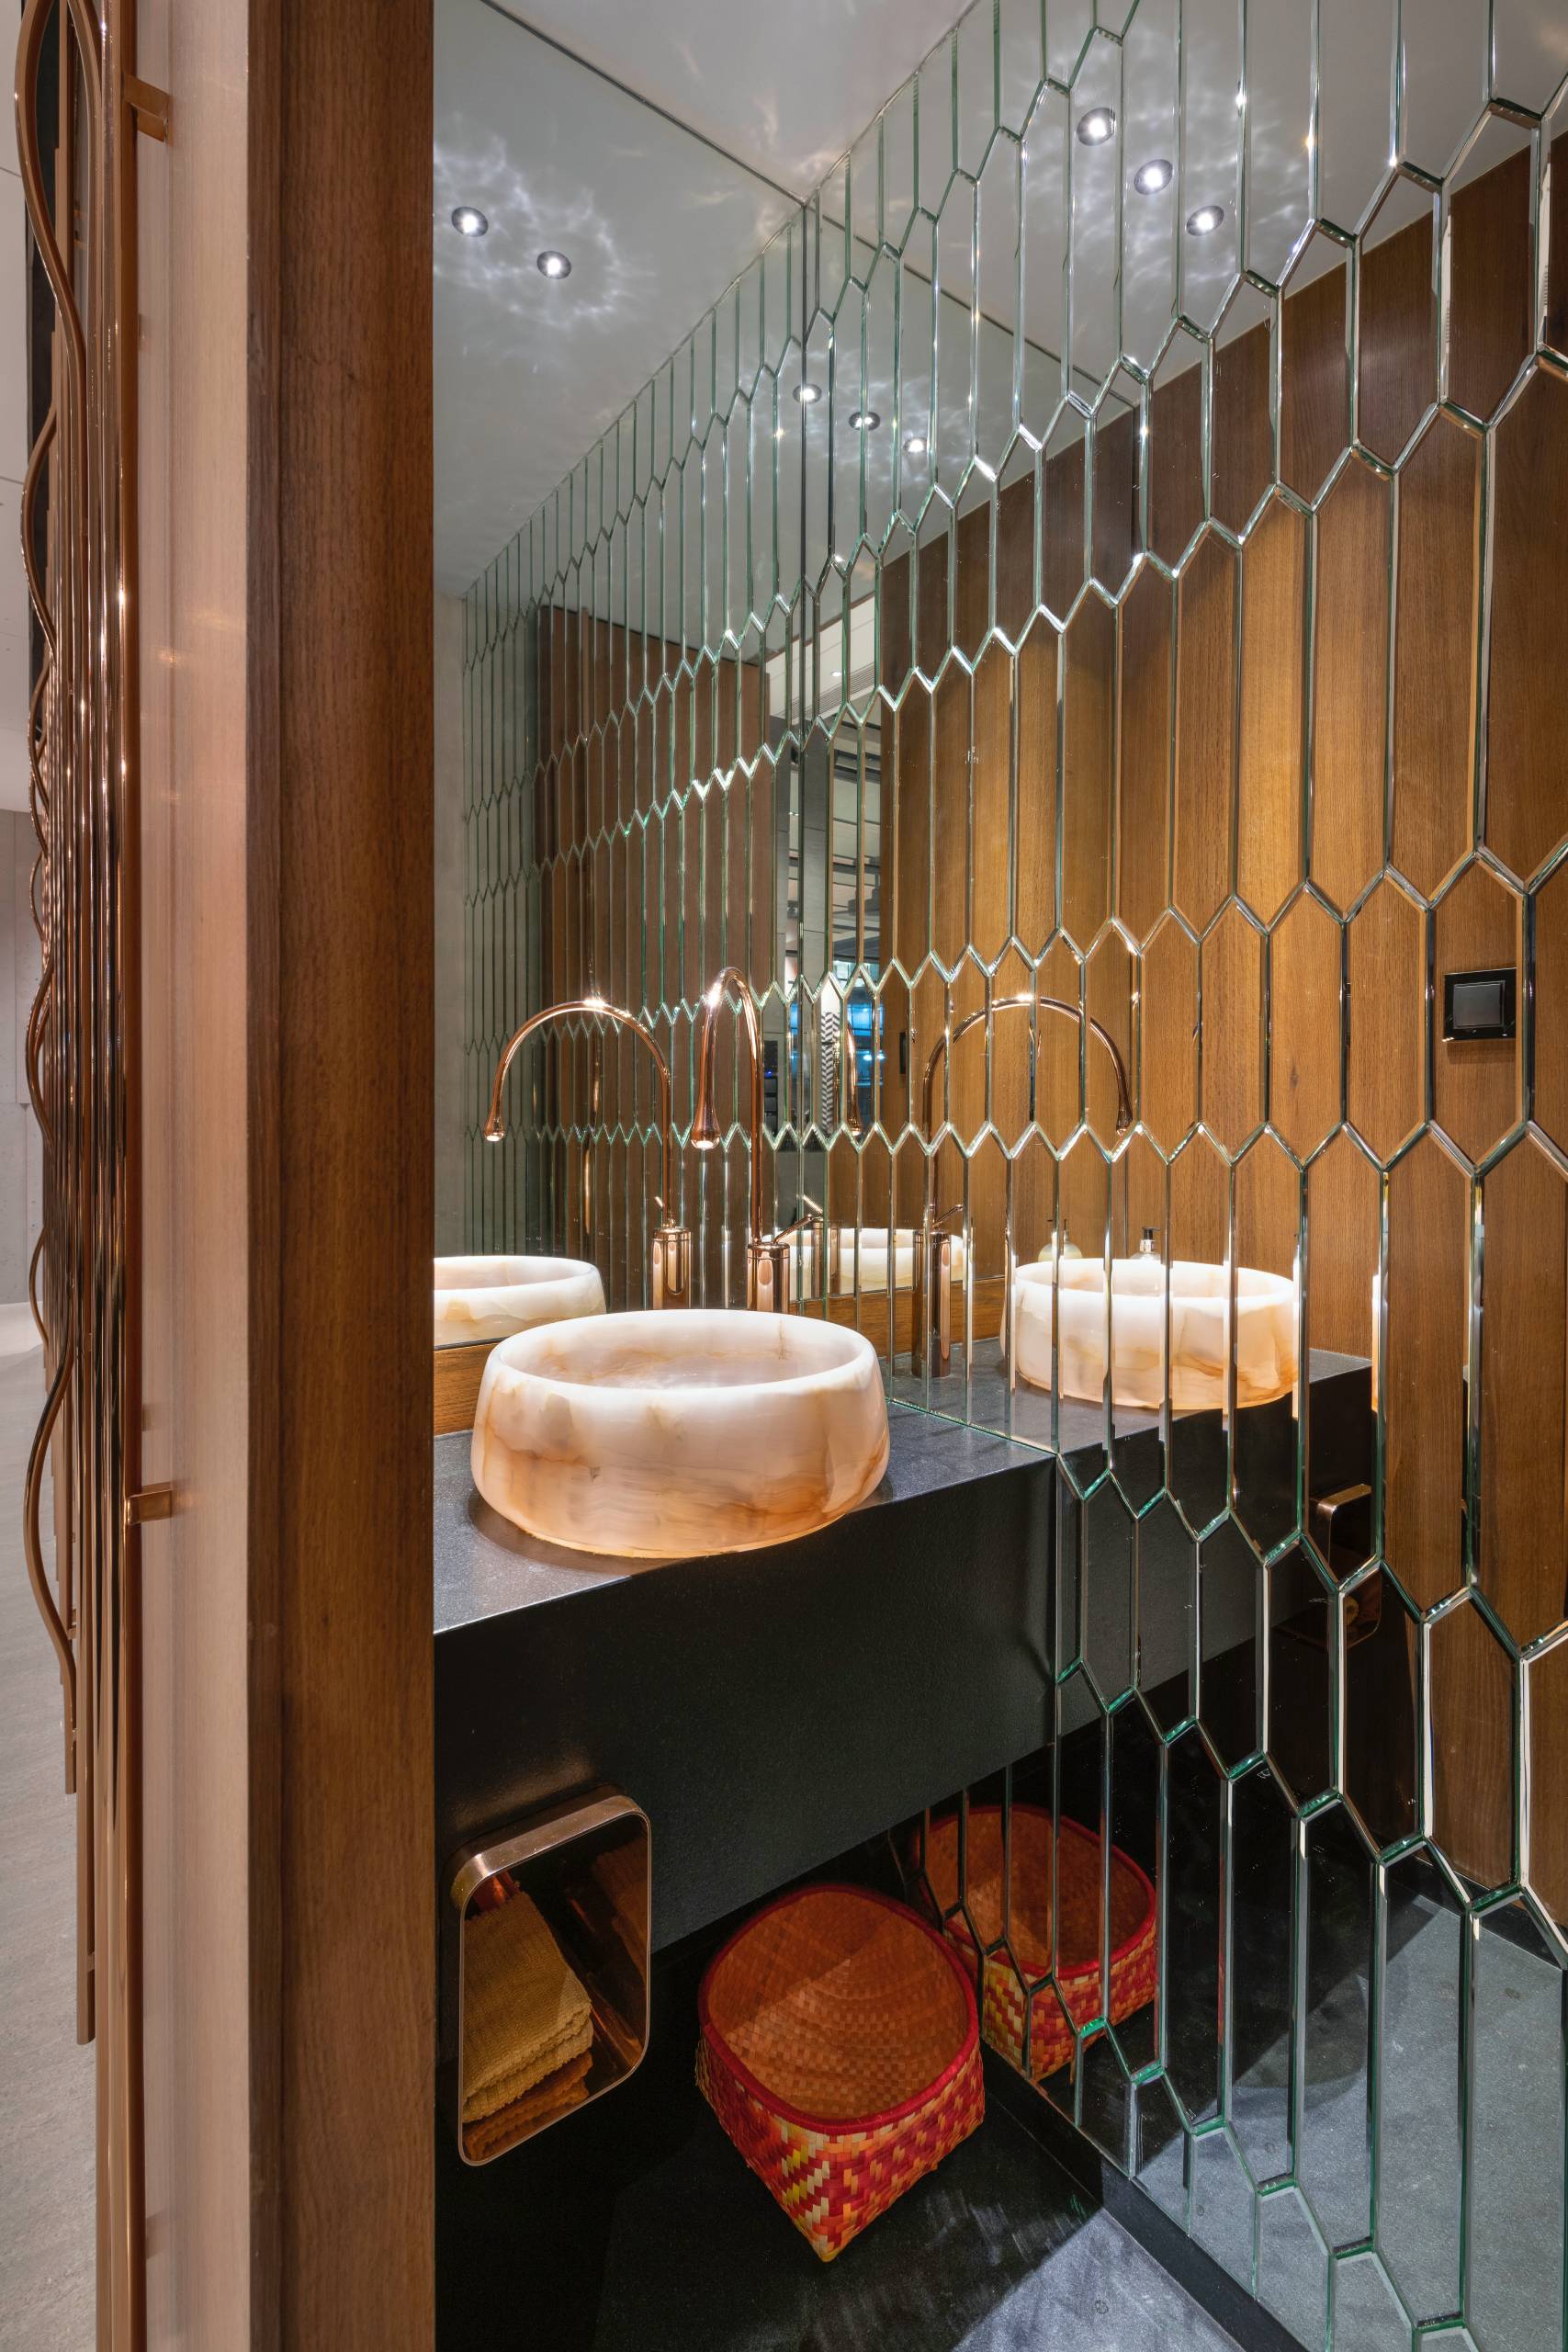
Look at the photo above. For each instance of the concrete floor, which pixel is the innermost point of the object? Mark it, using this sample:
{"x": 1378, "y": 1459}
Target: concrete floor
{"x": 46, "y": 2082}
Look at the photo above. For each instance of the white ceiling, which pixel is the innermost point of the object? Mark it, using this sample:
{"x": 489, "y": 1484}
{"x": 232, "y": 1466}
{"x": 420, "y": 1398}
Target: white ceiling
{"x": 784, "y": 88}
{"x": 528, "y": 374}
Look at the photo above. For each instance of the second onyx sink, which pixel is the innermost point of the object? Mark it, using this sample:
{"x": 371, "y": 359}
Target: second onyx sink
{"x": 489, "y": 1298}
{"x": 666, "y": 1435}
{"x": 1199, "y": 1331}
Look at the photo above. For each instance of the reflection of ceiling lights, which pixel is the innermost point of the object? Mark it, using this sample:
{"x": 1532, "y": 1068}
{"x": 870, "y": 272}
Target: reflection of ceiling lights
{"x": 866, "y": 420}
{"x": 1205, "y": 221}
{"x": 1150, "y": 177}
{"x": 469, "y": 221}
{"x": 1096, "y": 127}
{"x": 554, "y": 264}
{"x": 808, "y": 394}
{"x": 915, "y": 445}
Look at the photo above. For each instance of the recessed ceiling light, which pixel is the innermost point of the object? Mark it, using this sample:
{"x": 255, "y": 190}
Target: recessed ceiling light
{"x": 1096, "y": 127}
{"x": 915, "y": 445}
{"x": 866, "y": 420}
{"x": 554, "y": 264}
{"x": 1205, "y": 221}
{"x": 808, "y": 394}
{"x": 1157, "y": 174}
{"x": 469, "y": 221}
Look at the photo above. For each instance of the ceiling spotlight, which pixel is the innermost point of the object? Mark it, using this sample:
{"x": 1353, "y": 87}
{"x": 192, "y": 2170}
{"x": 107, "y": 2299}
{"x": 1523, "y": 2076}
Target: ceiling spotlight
{"x": 915, "y": 445}
{"x": 554, "y": 264}
{"x": 865, "y": 420}
{"x": 1205, "y": 221}
{"x": 808, "y": 394}
{"x": 469, "y": 221}
{"x": 1096, "y": 127}
{"x": 1157, "y": 174}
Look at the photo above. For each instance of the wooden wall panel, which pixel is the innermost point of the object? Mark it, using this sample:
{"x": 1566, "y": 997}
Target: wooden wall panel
{"x": 1205, "y": 730}
{"x": 1434, "y": 681}
{"x": 1351, "y": 683}
{"x": 1527, "y": 719}
{"x": 1272, "y": 748}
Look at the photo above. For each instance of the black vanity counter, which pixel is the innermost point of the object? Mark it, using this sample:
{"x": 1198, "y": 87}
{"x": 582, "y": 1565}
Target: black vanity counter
{"x": 770, "y": 1709}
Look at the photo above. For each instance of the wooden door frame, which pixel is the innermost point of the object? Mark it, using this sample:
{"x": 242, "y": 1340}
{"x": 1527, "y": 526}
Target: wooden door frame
{"x": 339, "y": 924}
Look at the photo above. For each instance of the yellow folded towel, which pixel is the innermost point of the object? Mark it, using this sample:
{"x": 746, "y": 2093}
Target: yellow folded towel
{"x": 525, "y": 2015}
{"x": 493, "y": 2135}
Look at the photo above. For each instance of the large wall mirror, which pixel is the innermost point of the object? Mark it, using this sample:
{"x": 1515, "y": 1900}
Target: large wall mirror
{"x": 1064, "y": 626}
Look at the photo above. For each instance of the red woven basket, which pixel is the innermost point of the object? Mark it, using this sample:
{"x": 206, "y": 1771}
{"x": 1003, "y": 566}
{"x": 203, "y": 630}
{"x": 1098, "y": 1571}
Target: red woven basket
{"x": 1003, "y": 2004}
{"x": 841, "y": 2052}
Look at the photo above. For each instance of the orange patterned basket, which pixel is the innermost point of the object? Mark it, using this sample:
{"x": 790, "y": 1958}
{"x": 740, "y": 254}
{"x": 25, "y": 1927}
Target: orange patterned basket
{"x": 1002, "y": 2005}
{"x": 841, "y": 2052}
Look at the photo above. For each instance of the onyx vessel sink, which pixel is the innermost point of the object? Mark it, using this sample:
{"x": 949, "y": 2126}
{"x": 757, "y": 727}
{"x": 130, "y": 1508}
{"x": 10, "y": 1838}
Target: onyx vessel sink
{"x": 663, "y": 1435}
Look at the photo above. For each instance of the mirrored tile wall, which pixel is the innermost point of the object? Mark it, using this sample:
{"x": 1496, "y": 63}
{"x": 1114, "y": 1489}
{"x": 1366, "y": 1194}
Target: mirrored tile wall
{"x": 1079, "y": 629}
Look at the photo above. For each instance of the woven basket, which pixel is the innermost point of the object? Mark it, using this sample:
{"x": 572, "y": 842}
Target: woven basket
{"x": 841, "y": 2052}
{"x": 1002, "y": 2000}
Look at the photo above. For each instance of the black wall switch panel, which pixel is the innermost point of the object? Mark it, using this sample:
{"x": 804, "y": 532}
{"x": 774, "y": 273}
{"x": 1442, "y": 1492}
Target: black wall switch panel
{"x": 1479, "y": 1004}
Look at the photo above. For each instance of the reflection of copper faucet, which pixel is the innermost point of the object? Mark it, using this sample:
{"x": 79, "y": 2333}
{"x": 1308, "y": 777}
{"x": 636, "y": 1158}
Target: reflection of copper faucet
{"x": 949, "y": 1039}
{"x": 767, "y": 1257}
{"x": 671, "y": 1242}
{"x": 933, "y": 1262}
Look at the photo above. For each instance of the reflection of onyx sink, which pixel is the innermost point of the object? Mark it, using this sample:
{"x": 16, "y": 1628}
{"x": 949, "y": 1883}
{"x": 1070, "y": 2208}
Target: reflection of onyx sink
{"x": 1199, "y": 1331}
{"x": 871, "y": 1259}
{"x": 489, "y": 1298}
{"x": 663, "y": 1435}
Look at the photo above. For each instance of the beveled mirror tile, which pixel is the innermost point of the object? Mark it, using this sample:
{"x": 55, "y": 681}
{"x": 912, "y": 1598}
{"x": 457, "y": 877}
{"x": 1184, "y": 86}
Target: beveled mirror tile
{"x": 1315, "y": 380}
{"x": 1305, "y": 1009}
{"x": 1519, "y": 1989}
{"x": 1293, "y": 2266}
{"x": 1434, "y": 681}
{"x": 1472, "y": 1701}
{"x": 1193, "y": 1861}
{"x": 1205, "y": 730}
{"x": 1231, "y": 981}
{"x": 1475, "y": 1084}
{"x": 1271, "y": 756}
{"x": 1523, "y": 1550}
{"x": 1221, "y": 2204}
{"x": 1424, "y": 1404}
{"x": 1241, "y": 458}
{"x": 1169, "y": 1033}
{"x": 1490, "y": 265}
{"x": 1527, "y": 718}
{"x": 1262, "y": 1867}
{"x": 1333, "y": 2154}
{"x": 1142, "y": 812}
{"x": 1175, "y": 457}
{"x": 1385, "y": 1066}
{"x": 1350, "y": 682}
{"x": 1088, "y": 741}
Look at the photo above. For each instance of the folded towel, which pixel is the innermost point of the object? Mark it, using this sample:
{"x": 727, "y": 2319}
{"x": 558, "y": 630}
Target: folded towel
{"x": 493, "y": 2135}
{"x": 525, "y": 2014}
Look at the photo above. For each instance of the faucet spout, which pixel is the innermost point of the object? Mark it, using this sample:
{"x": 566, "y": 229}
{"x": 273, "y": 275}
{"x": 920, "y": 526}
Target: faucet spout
{"x": 1060, "y": 1005}
{"x": 673, "y": 1250}
{"x": 767, "y": 1255}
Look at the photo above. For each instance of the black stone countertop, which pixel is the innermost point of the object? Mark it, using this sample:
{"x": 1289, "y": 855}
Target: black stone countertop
{"x": 486, "y": 1567}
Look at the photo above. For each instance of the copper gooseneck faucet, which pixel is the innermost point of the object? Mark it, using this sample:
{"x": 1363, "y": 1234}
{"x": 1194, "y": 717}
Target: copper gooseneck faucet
{"x": 933, "y": 1305}
{"x": 767, "y": 1255}
{"x": 1058, "y": 1004}
{"x": 671, "y": 1242}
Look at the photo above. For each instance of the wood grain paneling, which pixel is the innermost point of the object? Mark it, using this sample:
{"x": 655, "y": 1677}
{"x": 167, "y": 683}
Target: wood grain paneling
{"x": 339, "y": 759}
{"x": 1435, "y": 654}
{"x": 1205, "y": 730}
{"x": 1143, "y": 803}
{"x": 1315, "y": 373}
{"x": 1351, "y": 683}
{"x": 1242, "y": 432}
{"x": 1527, "y": 716}
{"x": 1176, "y": 458}
{"x": 1088, "y": 722}
{"x": 1385, "y": 1068}
{"x": 1397, "y": 348}
{"x": 1271, "y": 752}
{"x": 1551, "y": 1108}
{"x": 1305, "y": 1018}
{"x": 1491, "y": 275}
{"x": 1554, "y": 217}
{"x": 1473, "y": 1747}
{"x": 1168, "y": 1055}
{"x": 1230, "y": 975}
